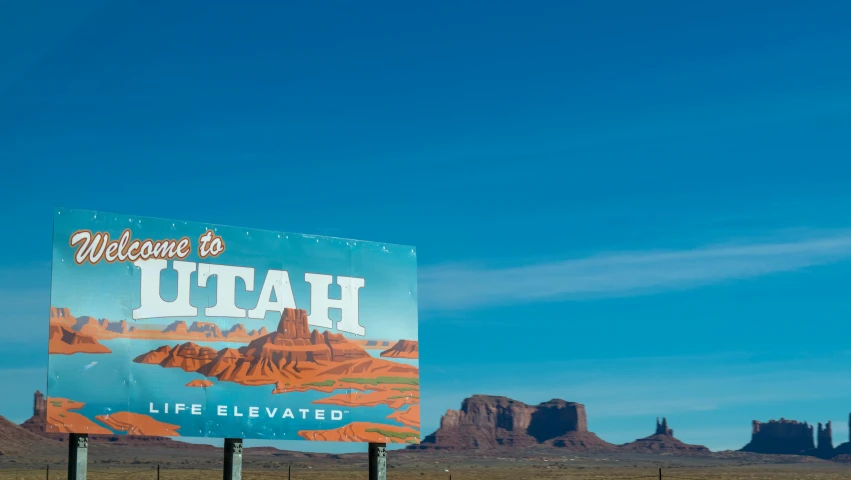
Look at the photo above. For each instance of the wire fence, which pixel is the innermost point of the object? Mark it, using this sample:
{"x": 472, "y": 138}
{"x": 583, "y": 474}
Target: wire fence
{"x": 286, "y": 472}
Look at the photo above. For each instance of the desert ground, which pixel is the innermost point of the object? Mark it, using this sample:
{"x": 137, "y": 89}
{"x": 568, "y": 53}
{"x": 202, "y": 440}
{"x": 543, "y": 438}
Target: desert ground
{"x": 122, "y": 463}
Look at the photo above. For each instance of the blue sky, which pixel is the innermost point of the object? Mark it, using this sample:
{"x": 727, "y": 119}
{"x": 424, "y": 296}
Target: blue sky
{"x": 643, "y": 208}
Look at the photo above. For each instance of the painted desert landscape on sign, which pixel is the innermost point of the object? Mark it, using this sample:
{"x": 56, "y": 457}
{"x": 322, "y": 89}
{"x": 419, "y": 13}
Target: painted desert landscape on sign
{"x": 337, "y": 374}
{"x": 179, "y": 329}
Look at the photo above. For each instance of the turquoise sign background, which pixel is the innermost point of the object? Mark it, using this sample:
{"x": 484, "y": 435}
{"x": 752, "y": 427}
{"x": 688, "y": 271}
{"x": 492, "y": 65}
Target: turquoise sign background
{"x": 191, "y": 355}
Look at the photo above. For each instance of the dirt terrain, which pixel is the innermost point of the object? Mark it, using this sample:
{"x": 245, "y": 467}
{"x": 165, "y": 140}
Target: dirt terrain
{"x": 122, "y": 463}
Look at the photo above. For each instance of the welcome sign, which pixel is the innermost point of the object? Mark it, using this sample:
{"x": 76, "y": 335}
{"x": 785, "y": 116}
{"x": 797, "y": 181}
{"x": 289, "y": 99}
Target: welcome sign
{"x": 171, "y": 328}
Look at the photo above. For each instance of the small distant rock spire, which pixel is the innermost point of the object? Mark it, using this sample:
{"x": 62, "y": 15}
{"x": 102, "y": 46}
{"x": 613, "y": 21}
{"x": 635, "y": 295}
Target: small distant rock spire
{"x": 662, "y": 428}
{"x": 39, "y": 405}
{"x": 824, "y": 438}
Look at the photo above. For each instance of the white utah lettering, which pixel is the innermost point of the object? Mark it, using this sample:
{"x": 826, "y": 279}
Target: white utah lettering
{"x": 276, "y": 283}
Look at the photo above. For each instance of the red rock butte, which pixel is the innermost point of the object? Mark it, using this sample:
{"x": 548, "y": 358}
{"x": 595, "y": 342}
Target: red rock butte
{"x": 291, "y": 352}
{"x": 663, "y": 441}
{"x": 67, "y": 342}
{"x": 780, "y": 437}
{"x": 486, "y": 422}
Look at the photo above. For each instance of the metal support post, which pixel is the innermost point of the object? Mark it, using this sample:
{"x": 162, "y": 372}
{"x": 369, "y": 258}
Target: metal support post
{"x": 233, "y": 459}
{"x": 377, "y": 461}
{"x": 78, "y": 456}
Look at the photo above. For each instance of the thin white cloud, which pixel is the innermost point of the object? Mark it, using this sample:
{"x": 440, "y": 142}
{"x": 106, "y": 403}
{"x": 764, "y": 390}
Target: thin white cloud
{"x": 459, "y": 287}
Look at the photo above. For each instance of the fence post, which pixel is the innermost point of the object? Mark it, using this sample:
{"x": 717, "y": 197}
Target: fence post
{"x": 47, "y": 472}
{"x": 660, "y": 473}
{"x": 78, "y": 456}
{"x": 377, "y": 461}
{"x": 233, "y": 459}
{"x": 158, "y": 471}
{"x": 289, "y": 467}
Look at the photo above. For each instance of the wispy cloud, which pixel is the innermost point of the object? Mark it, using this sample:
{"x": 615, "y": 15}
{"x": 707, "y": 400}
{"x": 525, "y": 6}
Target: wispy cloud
{"x": 457, "y": 287}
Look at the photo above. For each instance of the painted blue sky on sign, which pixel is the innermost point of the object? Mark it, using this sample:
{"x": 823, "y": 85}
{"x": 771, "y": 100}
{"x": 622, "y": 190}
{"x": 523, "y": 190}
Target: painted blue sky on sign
{"x": 643, "y": 208}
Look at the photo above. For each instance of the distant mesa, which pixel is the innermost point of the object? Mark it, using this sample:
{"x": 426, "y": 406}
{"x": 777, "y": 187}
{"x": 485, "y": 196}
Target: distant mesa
{"x": 177, "y": 328}
{"x": 295, "y": 359}
{"x": 663, "y": 441}
{"x": 68, "y": 342}
{"x": 104, "y": 329}
{"x": 208, "y": 329}
{"x": 202, "y": 331}
{"x": 364, "y": 432}
{"x": 491, "y": 422}
{"x": 138, "y": 424}
{"x": 200, "y": 383}
{"x": 780, "y": 437}
{"x": 403, "y": 349}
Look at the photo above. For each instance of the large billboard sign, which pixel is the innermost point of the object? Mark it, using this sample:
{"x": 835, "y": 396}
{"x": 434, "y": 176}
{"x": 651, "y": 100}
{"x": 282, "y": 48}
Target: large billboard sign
{"x": 171, "y": 328}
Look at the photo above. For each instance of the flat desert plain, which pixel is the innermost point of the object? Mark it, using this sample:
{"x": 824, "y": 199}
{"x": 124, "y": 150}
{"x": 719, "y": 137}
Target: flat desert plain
{"x": 141, "y": 464}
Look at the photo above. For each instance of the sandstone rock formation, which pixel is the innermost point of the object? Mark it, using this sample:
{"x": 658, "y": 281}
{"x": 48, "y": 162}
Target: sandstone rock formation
{"x": 136, "y": 424}
{"x": 663, "y": 441}
{"x": 824, "y": 441}
{"x": 37, "y": 425}
{"x": 403, "y": 349}
{"x": 63, "y": 418}
{"x": 208, "y": 329}
{"x": 104, "y": 329}
{"x": 363, "y": 432}
{"x": 662, "y": 428}
{"x": 487, "y": 422}
{"x": 292, "y": 357}
{"x": 199, "y": 383}
{"x": 783, "y": 437}
{"x": 62, "y": 316}
{"x": 177, "y": 328}
{"x": 68, "y": 342}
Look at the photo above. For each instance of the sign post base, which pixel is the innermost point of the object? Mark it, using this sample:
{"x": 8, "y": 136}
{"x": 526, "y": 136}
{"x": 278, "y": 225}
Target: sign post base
{"x": 78, "y": 456}
{"x": 233, "y": 459}
{"x": 377, "y": 461}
